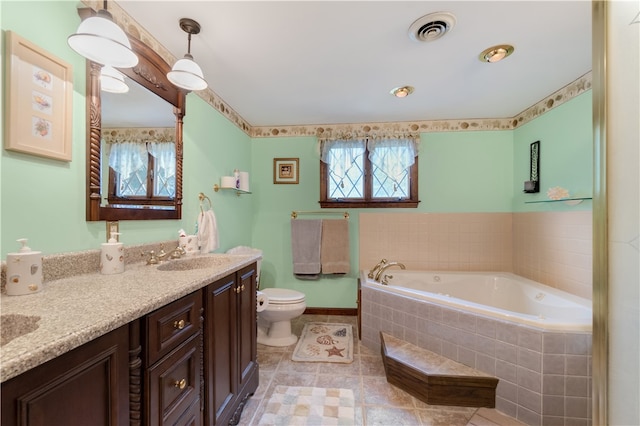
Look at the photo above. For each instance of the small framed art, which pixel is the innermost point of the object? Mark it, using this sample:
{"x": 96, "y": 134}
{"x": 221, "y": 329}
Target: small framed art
{"x": 39, "y": 94}
{"x": 285, "y": 170}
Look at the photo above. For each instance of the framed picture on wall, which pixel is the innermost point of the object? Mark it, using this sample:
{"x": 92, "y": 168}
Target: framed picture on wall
{"x": 285, "y": 170}
{"x": 39, "y": 100}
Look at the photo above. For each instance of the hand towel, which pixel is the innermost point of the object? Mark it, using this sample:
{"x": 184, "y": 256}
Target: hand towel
{"x": 334, "y": 254}
{"x": 305, "y": 247}
{"x": 207, "y": 232}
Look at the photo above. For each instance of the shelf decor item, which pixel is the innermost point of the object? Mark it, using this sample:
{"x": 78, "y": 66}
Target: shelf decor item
{"x": 533, "y": 184}
{"x": 39, "y": 101}
{"x": 285, "y": 170}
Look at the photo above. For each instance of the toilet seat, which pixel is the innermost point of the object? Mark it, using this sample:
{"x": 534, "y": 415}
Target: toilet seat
{"x": 283, "y": 296}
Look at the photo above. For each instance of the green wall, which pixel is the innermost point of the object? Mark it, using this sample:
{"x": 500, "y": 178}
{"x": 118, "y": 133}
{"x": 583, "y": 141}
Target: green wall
{"x": 458, "y": 172}
{"x": 566, "y": 155}
{"x": 43, "y": 199}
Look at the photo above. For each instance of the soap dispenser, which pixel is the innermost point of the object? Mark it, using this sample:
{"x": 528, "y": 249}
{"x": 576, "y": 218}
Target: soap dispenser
{"x": 112, "y": 256}
{"x": 24, "y": 271}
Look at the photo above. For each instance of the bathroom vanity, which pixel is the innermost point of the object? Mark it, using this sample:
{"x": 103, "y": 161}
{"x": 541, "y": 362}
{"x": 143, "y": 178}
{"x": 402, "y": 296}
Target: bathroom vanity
{"x": 173, "y": 343}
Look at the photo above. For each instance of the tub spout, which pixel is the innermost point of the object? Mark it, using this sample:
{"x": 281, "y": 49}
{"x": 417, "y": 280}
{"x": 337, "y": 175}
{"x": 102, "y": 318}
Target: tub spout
{"x": 385, "y": 267}
{"x": 374, "y": 270}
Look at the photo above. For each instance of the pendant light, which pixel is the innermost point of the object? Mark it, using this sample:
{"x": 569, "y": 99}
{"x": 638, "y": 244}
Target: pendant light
{"x": 112, "y": 80}
{"x": 101, "y": 40}
{"x": 186, "y": 74}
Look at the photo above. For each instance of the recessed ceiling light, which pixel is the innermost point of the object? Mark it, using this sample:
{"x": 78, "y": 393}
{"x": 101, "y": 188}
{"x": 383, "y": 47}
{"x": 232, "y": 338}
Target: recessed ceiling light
{"x": 402, "y": 92}
{"x": 496, "y": 53}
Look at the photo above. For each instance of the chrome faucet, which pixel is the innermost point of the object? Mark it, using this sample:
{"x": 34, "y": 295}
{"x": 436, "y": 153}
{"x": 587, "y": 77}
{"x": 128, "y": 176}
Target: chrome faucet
{"x": 384, "y": 268}
{"x": 373, "y": 270}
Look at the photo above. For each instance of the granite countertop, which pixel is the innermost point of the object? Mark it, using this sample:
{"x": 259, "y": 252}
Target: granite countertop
{"x": 78, "y": 309}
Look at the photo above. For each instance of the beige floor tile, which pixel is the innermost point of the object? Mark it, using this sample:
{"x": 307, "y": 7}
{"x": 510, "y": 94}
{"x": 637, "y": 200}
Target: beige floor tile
{"x": 377, "y": 402}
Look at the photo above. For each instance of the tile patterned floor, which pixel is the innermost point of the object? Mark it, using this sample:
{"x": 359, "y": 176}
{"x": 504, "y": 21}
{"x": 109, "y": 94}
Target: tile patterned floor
{"x": 377, "y": 402}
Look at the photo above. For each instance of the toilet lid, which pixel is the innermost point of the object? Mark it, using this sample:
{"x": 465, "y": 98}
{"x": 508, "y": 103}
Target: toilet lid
{"x": 283, "y": 295}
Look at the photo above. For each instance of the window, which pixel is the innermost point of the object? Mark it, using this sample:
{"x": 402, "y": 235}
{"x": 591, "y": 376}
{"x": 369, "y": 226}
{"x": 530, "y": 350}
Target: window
{"x": 368, "y": 173}
{"x": 142, "y": 172}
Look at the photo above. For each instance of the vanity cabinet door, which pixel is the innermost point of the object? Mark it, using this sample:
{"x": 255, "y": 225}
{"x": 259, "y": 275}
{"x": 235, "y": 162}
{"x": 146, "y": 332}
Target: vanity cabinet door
{"x": 86, "y": 386}
{"x": 231, "y": 368}
{"x": 247, "y": 326}
{"x": 220, "y": 343}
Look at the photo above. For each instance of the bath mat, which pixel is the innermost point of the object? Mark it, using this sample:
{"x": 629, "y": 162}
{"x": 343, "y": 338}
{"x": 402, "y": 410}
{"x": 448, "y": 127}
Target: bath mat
{"x": 292, "y": 405}
{"x": 325, "y": 342}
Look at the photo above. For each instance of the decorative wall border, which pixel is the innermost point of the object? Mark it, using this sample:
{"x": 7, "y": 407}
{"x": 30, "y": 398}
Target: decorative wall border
{"x": 557, "y": 98}
{"x": 565, "y": 94}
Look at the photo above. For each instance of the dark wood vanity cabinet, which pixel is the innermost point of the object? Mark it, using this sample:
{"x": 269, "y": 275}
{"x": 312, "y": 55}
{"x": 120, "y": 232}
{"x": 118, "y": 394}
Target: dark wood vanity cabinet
{"x": 191, "y": 362}
{"x": 86, "y": 386}
{"x": 231, "y": 369}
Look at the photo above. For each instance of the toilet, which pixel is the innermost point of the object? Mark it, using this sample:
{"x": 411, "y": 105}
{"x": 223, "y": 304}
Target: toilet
{"x": 274, "y": 323}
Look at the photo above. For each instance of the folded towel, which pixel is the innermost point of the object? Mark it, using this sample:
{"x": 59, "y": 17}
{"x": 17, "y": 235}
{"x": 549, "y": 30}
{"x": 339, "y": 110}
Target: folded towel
{"x": 305, "y": 247}
{"x": 207, "y": 232}
{"x": 334, "y": 254}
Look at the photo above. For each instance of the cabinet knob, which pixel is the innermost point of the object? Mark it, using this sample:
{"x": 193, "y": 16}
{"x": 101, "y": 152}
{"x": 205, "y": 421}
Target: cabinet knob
{"x": 242, "y": 287}
{"x": 179, "y": 324}
{"x": 237, "y": 290}
{"x": 180, "y": 384}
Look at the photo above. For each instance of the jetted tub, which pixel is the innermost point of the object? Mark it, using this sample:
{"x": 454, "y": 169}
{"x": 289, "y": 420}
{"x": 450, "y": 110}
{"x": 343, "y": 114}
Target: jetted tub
{"x": 498, "y": 295}
{"x": 527, "y": 334}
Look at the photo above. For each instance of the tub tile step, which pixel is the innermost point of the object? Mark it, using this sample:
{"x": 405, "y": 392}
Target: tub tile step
{"x": 435, "y": 379}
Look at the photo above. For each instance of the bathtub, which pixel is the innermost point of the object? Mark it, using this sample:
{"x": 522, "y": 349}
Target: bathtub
{"x": 535, "y": 339}
{"x": 498, "y": 295}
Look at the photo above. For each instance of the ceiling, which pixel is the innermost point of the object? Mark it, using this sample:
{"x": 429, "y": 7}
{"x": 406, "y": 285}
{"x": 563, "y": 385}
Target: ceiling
{"x": 285, "y": 63}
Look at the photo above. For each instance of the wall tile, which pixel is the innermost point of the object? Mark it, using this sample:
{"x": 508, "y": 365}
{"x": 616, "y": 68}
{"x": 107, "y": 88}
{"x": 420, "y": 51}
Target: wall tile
{"x": 530, "y": 400}
{"x": 529, "y": 379}
{"x": 530, "y": 359}
{"x": 553, "y": 364}
{"x": 553, "y": 343}
{"x": 553, "y": 384}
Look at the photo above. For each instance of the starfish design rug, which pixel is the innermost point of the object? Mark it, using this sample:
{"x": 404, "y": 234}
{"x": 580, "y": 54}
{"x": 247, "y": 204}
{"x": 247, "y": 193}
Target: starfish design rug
{"x": 325, "y": 342}
{"x": 292, "y": 405}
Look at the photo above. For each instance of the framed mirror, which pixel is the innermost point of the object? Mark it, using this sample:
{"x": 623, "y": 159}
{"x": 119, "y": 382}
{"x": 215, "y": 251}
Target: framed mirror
{"x": 149, "y": 116}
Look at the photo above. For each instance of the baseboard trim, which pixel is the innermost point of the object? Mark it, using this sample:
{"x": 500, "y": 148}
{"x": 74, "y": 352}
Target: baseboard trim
{"x": 331, "y": 311}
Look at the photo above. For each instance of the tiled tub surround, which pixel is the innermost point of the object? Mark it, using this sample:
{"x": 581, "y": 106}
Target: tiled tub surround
{"x": 545, "y": 377}
{"x": 552, "y": 248}
{"x": 79, "y": 307}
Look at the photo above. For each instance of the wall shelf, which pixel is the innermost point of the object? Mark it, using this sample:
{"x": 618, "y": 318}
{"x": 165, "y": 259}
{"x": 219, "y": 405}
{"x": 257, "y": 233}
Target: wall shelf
{"x": 569, "y": 201}
{"x": 238, "y": 192}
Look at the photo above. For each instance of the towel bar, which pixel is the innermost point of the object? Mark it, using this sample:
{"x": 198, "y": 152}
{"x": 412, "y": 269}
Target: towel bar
{"x": 294, "y": 214}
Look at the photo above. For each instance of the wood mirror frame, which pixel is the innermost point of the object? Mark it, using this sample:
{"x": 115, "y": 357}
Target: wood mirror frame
{"x": 151, "y": 73}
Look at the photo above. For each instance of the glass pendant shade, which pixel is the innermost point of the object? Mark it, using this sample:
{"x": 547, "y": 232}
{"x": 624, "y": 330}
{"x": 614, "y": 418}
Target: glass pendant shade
{"x": 101, "y": 40}
{"x": 112, "y": 80}
{"x": 187, "y": 75}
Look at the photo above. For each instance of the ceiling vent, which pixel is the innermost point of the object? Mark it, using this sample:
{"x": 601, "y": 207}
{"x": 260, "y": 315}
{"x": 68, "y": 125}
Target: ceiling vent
{"x": 432, "y": 26}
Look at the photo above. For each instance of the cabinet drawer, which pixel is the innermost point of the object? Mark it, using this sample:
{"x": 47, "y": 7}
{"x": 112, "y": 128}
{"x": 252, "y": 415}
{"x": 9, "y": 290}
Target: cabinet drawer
{"x": 174, "y": 384}
{"x": 171, "y": 325}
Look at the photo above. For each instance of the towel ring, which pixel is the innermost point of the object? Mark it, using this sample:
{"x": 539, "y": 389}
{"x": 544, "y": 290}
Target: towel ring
{"x": 203, "y": 197}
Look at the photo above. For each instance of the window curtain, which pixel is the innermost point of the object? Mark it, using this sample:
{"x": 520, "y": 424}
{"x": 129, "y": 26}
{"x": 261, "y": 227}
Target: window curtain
{"x": 341, "y": 154}
{"x": 392, "y": 156}
{"x": 391, "y": 151}
{"x": 127, "y": 157}
{"x": 164, "y": 153}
